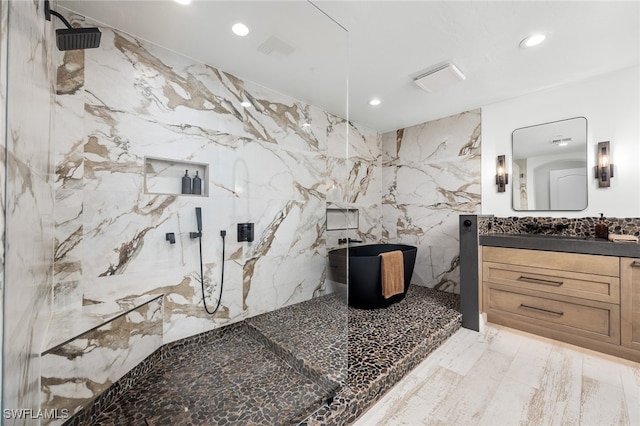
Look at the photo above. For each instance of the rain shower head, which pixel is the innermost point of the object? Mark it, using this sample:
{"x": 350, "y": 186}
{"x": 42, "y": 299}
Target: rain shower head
{"x": 78, "y": 38}
{"x": 73, "y": 38}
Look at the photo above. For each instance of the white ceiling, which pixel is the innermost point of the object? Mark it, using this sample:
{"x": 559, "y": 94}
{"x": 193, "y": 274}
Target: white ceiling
{"x": 388, "y": 44}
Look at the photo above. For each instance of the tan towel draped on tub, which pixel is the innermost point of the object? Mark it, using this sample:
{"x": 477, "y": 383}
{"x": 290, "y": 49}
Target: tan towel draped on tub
{"x": 392, "y": 271}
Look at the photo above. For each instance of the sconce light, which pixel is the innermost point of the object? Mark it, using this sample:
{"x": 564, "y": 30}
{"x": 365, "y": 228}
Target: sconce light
{"x": 604, "y": 168}
{"x": 502, "y": 177}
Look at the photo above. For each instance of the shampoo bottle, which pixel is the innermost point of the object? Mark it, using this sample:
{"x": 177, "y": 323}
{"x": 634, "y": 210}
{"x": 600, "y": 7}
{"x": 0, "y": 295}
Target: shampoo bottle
{"x": 602, "y": 231}
{"x": 197, "y": 185}
{"x": 186, "y": 183}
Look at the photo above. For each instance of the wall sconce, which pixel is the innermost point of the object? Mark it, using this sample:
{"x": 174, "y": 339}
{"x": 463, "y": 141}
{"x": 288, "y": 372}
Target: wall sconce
{"x": 502, "y": 177}
{"x": 604, "y": 168}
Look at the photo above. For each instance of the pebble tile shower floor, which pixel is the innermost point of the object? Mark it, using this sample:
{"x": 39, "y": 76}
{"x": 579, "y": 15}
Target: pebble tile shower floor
{"x": 286, "y": 367}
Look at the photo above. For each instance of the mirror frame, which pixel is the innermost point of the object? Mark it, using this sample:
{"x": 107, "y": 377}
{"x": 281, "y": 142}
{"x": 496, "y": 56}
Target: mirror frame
{"x": 550, "y": 127}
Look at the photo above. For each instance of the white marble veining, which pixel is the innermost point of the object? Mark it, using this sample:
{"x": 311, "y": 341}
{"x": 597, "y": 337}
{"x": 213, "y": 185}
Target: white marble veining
{"x": 4, "y": 14}
{"x": 74, "y": 373}
{"x": 28, "y": 260}
{"x": 431, "y": 175}
{"x": 273, "y": 164}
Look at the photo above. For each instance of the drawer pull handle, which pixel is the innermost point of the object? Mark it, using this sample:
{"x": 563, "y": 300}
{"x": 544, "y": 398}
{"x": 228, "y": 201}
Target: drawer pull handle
{"x": 636, "y": 263}
{"x": 541, "y": 281}
{"x": 546, "y": 311}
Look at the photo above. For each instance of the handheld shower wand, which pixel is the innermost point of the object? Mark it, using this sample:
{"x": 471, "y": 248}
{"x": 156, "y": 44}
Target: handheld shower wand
{"x": 198, "y": 235}
{"x": 199, "y": 224}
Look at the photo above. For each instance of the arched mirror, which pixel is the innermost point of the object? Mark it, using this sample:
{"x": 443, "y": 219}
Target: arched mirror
{"x": 549, "y": 166}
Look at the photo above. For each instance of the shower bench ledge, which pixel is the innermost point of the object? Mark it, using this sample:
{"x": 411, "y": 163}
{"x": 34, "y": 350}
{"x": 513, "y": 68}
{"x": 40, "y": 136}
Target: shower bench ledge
{"x": 70, "y": 324}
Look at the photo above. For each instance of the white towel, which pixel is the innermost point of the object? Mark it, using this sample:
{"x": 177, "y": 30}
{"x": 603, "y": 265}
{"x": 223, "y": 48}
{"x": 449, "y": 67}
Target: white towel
{"x": 620, "y": 238}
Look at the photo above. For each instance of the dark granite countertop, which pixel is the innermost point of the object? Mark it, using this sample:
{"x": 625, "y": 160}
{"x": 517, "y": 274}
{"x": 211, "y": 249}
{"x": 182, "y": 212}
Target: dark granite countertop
{"x": 561, "y": 243}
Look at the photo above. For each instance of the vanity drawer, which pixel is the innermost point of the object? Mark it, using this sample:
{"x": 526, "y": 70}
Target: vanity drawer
{"x": 573, "y": 262}
{"x": 577, "y": 317}
{"x": 589, "y": 286}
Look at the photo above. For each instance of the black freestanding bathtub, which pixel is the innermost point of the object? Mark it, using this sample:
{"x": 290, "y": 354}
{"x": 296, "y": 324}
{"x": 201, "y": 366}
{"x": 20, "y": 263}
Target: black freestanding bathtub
{"x": 365, "y": 285}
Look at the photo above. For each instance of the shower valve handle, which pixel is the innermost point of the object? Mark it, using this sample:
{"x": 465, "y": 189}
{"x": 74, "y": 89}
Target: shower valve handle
{"x": 348, "y": 240}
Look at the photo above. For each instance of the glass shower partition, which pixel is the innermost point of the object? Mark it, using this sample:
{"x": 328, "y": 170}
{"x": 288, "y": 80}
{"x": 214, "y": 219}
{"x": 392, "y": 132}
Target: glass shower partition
{"x": 95, "y": 144}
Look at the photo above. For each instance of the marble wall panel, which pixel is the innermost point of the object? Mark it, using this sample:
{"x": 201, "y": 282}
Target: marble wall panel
{"x": 75, "y": 373}
{"x": 69, "y": 233}
{"x": 354, "y": 181}
{"x": 266, "y": 165}
{"x": 283, "y": 174}
{"x": 68, "y": 142}
{"x": 287, "y": 261}
{"x": 282, "y": 120}
{"x": 28, "y": 203}
{"x": 353, "y": 165}
{"x": 336, "y": 131}
{"x": 431, "y": 175}
{"x": 4, "y": 15}
{"x": 433, "y": 141}
{"x": 369, "y": 229}
{"x": 69, "y": 132}
{"x": 445, "y": 184}
{"x": 363, "y": 143}
{"x": 175, "y": 90}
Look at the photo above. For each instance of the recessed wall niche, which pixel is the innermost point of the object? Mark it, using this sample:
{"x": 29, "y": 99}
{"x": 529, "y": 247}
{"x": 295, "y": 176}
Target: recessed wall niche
{"x": 342, "y": 219}
{"x": 164, "y": 176}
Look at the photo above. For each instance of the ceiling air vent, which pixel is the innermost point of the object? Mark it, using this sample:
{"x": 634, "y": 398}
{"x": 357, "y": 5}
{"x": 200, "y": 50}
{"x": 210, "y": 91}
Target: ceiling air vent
{"x": 274, "y": 45}
{"x": 439, "y": 77}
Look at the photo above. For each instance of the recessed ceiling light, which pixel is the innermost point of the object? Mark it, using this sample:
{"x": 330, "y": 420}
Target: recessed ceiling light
{"x": 533, "y": 40}
{"x": 374, "y": 102}
{"x": 240, "y": 29}
{"x": 185, "y": 2}
{"x": 245, "y": 104}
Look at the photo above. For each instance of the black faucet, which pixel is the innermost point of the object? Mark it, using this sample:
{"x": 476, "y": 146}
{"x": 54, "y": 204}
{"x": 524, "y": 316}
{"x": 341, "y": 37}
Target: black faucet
{"x": 348, "y": 240}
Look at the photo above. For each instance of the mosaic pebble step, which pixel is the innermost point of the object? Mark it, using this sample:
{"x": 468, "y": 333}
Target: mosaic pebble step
{"x": 384, "y": 345}
{"x": 295, "y": 329}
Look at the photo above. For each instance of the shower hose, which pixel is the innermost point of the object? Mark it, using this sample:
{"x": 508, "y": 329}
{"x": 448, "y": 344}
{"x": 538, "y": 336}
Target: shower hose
{"x": 223, "y": 234}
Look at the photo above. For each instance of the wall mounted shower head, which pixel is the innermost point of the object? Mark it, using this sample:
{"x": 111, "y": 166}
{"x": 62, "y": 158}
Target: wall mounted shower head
{"x": 73, "y": 38}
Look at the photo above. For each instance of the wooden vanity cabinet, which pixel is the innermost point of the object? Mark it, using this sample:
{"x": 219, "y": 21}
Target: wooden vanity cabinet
{"x": 587, "y": 300}
{"x": 630, "y": 302}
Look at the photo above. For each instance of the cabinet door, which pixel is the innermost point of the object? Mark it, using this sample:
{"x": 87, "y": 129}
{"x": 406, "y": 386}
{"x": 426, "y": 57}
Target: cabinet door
{"x": 630, "y": 302}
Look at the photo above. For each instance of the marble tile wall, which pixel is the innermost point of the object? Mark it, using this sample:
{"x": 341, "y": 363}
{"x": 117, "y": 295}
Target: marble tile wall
{"x": 133, "y": 99}
{"x": 69, "y": 376}
{"x": 275, "y": 164}
{"x": 4, "y": 12}
{"x": 356, "y": 183}
{"x": 27, "y": 47}
{"x": 430, "y": 175}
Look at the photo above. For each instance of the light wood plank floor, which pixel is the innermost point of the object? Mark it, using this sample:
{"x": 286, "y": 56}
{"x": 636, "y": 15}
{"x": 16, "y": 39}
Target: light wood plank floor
{"x": 502, "y": 376}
